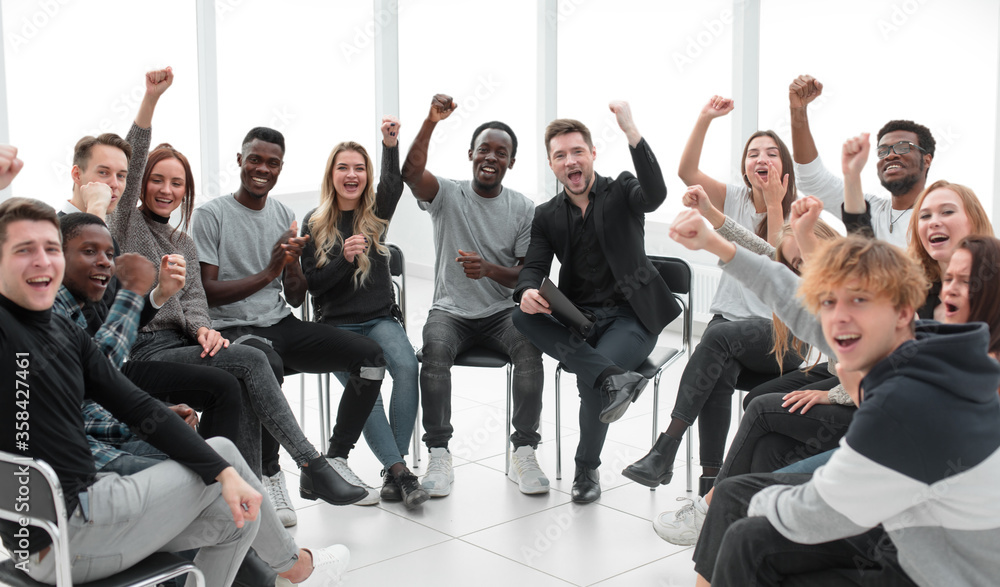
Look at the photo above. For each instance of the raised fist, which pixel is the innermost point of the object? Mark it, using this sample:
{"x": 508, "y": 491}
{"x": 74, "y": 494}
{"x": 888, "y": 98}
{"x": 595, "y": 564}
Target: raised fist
{"x": 803, "y": 90}
{"x": 718, "y": 106}
{"x": 441, "y": 107}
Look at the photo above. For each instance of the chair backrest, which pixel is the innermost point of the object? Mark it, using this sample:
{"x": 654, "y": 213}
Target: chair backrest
{"x": 397, "y": 269}
{"x": 676, "y": 272}
{"x": 41, "y": 504}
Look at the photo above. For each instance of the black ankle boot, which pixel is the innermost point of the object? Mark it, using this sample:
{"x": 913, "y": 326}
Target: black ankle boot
{"x": 705, "y": 485}
{"x": 657, "y": 467}
{"x": 320, "y": 481}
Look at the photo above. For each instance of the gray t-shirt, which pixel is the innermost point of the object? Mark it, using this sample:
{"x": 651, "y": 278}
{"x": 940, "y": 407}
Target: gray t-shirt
{"x": 238, "y": 241}
{"x": 499, "y": 229}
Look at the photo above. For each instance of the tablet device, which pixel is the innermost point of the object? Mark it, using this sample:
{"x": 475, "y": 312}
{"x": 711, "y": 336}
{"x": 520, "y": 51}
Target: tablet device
{"x": 564, "y": 310}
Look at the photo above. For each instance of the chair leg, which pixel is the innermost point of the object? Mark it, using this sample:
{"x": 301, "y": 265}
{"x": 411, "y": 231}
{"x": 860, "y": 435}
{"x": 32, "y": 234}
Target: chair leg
{"x": 656, "y": 410}
{"x": 416, "y": 440}
{"x": 322, "y": 415}
{"x": 558, "y": 427}
{"x": 690, "y": 460}
{"x": 506, "y": 440}
{"x": 302, "y": 400}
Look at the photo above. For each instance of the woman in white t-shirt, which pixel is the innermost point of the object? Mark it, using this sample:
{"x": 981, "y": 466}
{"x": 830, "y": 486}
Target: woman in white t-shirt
{"x": 739, "y": 335}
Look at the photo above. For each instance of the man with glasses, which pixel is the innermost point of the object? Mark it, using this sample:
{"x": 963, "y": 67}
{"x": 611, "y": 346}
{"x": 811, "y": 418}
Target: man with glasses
{"x": 905, "y": 151}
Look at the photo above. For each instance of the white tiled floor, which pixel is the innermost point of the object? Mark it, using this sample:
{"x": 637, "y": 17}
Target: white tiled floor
{"x": 486, "y": 532}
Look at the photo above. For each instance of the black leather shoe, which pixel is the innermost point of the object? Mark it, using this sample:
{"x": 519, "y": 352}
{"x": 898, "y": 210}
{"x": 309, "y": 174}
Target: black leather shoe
{"x": 254, "y": 572}
{"x": 320, "y": 481}
{"x": 657, "y": 467}
{"x": 586, "y": 485}
{"x": 390, "y": 491}
{"x": 623, "y": 389}
{"x": 410, "y": 490}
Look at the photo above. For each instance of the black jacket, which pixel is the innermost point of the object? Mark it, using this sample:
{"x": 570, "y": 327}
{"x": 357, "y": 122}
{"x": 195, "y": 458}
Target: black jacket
{"x": 620, "y": 207}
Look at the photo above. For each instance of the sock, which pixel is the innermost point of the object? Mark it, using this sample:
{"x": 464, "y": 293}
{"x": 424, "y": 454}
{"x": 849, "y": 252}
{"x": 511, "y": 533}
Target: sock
{"x": 612, "y": 370}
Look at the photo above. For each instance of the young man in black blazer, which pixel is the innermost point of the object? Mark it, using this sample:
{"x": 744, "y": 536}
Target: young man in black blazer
{"x": 595, "y": 227}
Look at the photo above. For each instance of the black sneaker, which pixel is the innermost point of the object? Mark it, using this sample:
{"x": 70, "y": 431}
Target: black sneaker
{"x": 390, "y": 491}
{"x": 410, "y": 490}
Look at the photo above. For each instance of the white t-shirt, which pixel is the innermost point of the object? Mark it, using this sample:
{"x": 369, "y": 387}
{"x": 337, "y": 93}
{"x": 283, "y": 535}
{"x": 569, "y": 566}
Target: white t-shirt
{"x": 732, "y": 300}
{"x": 814, "y": 179}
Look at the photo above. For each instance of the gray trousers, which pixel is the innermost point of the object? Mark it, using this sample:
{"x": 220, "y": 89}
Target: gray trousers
{"x": 168, "y": 508}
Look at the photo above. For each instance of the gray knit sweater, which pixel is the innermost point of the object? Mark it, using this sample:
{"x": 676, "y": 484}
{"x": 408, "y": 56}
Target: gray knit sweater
{"x": 187, "y": 311}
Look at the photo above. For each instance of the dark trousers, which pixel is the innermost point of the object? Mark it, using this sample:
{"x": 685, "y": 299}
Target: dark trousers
{"x": 617, "y": 339}
{"x": 294, "y": 346}
{"x": 818, "y": 377}
{"x": 709, "y": 379}
{"x": 212, "y": 391}
{"x": 735, "y": 550}
{"x": 770, "y": 437}
{"x": 445, "y": 336}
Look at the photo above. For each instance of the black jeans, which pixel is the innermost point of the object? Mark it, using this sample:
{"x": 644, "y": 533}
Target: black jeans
{"x": 617, "y": 339}
{"x": 709, "y": 378}
{"x": 294, "y": 346}
{"x": 212, "y": 391}
{"x": 445, "y": 336}
{"x": 735, "y": 550}
{"x": 770, "y": 437}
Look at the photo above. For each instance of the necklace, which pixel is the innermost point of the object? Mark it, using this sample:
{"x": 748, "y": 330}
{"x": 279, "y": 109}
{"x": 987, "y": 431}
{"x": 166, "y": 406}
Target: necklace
{"x": 892, "y": 221}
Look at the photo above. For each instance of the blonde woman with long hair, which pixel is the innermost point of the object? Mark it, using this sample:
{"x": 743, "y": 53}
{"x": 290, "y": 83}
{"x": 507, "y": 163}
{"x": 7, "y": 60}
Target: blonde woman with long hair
{"x": 346, "y": 264}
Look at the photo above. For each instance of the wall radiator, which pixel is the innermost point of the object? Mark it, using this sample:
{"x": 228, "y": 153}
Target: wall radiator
{"x": 706, "y": 281}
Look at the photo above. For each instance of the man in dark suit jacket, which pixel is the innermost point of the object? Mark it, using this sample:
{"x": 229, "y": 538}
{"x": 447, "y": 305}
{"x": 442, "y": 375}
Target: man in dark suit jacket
{"x": 595, "y": 227}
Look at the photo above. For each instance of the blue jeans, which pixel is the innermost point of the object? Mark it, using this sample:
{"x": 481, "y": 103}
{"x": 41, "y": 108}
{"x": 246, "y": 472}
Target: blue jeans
{"x": 263, "y": 404}
{"x": 809, "y": 465}
{"x": 389, "y": 439}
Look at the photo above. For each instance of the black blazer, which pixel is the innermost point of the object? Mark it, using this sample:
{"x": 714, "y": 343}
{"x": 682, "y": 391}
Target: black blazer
{"x": 619, "y": 213}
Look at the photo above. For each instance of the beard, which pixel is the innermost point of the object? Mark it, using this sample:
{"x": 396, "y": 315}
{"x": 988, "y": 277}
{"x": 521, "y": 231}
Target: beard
{"x": 901, "y": 186}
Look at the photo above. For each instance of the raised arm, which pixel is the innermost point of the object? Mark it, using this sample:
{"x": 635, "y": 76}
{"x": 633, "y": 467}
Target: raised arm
{"x": 689, "y": 170}
{"x": 803, "y": 218}
{"x": 422, "y": 183}
{"x": 855, "y": 155}
{"x": 803, "y": 90}
{"x": 390, "y": 182}
{"x": 649, "y": 191}
{"x": 10, "y": 165}
{"x": 139, "y": 137}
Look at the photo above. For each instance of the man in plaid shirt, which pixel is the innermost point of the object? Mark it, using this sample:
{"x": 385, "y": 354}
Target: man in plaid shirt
{"x": 90, "y": 264}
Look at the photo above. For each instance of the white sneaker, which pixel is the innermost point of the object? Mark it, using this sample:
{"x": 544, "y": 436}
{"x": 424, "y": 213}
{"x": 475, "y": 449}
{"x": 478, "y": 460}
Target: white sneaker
{"x": 329, "y": 566}
{"x": 339, "y": 465}
{"x": 683, "y": 526}
{"x": 277, "y": 492}
{"x": 524, "y": 471}
{"x": 439, "y": 475}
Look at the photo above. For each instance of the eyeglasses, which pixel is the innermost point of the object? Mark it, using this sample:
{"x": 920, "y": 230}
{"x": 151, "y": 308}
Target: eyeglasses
{"x": 901, "y": 148}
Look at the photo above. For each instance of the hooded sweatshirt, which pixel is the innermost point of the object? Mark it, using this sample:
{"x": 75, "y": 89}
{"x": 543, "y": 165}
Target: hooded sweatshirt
{"x": 920, "y": 457}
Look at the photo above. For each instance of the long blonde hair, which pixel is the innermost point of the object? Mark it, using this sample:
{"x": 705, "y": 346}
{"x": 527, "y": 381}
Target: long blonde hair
{"x": 323, "y": 223}
{"x": 824, "y": 232}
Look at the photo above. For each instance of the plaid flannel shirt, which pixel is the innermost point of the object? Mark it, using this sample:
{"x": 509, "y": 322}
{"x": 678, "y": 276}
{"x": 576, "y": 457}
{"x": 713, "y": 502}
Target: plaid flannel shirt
{"x": 114, "y": 339}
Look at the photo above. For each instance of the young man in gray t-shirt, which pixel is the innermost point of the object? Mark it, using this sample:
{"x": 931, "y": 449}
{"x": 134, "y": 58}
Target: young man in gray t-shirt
{"x": 481, "y": 230}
